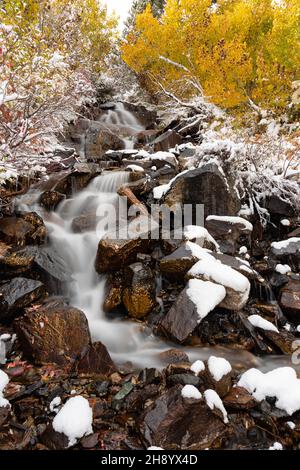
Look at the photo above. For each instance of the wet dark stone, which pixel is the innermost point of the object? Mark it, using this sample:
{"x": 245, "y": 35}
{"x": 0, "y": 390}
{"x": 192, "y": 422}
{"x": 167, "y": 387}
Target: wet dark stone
{"x": 184, "y": 379}
{"x": 51, "y": 199}
{"x": 17, "y": 294}
{"x": 96, "y": 361}
{"x": 176, "y": 423}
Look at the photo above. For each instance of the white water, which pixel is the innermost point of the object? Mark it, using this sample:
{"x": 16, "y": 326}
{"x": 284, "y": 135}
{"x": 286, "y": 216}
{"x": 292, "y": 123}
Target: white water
{"x": 123, "y": 119}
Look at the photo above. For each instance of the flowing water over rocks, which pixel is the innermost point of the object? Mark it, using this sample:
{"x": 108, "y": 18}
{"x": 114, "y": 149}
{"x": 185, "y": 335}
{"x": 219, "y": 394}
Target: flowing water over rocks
{"x": 152, "y": 332}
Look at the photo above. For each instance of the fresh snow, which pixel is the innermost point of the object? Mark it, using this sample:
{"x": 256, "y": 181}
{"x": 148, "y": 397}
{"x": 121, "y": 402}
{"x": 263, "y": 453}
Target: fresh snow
{"x": 285, "y": 222}
{"x": 160, "y": 191}
{"x": 155, "y": 448}
{"x": 189, "y": 391}
{"x": 195, "y": 232}
{"x": 281, "y": 383}
{"x": 214, "y": 401}
{"x": 197, "y": 367}
{"x": 260, "y": 322}
{"x": 243, "y": 250}
{"x": 291, "y": 424}
{"x": 4, "y": 380}
{"x": 74, "y": 419}
{"x": 214, "y": 270}
{"x": 205, "y": 295}
{"x": 55, "y": 404}
{"x": 276, "y": 446}
{"x": 285, "y": 243}
{"x": 233, "y": 221}
{"x": 218, "y": 367}
{"x": 136, "y": 168}
{"x": 283, "y": 268}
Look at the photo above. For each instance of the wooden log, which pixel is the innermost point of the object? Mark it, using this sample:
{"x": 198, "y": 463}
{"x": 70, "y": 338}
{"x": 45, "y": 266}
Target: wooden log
{"x": 125, "y": 191}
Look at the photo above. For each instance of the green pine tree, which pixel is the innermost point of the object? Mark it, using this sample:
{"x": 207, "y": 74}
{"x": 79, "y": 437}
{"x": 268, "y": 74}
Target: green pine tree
{"x": 139, "y": 6}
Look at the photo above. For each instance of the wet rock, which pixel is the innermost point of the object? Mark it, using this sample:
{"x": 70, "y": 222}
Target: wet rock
{"x": 145, "y": 137}
{"x": 182, "y": 319}
{"x": 229, "y": 231}
{"x": 70, "y": 182}
{"x": 283, "y": 340}
{"x": 146, "y": 116}
{"x": 118, "y": 399}
{"x": 150, "y": 376}
{"x": 54, "y": 440}
{"x": 174, "y": 356}
{"x": 139, "y": 294}
{"x": 289, "y": 300}
{"x": 53, "y": 333}
{"x": 99, "y": 139}
{"x": 176, "y": 423}
{"x": 184, "y": 379}
{"x": 96, "y": 361}
{"x": 239, "y": 399}
{"x": 13, "y": 263}
{"x": 84, "y": 223}
{"x": 166, "y": 141}
{"x": 177, "y": 264}
{"x": 114, "y": 289}
{"x": 114, "y": 254}
{"x": 4, "y": 414}
{"x": 21, "y": 231}
{"x": 51, "y": 199}
{"x": 50, "y": 267}
{"x": 221, "y": 386}
{"x": 207, "y": 186}
{"x": 287, "y": 252}
{"x": 17, "y": 294}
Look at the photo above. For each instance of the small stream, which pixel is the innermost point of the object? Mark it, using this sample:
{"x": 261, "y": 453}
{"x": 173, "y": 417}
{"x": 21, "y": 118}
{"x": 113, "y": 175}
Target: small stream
{"x": 126, "y": 340}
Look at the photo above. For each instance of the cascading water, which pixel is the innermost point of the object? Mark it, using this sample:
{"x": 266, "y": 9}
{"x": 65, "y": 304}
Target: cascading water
{"x": 126, "y": 122}
{"x": 126, "y": 340}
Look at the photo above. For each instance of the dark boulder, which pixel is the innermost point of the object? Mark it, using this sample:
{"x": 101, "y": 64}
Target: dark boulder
{"x": 96, "y": 361}
{"x": 23, "y": 230}
{"x": 166, "y": 141}
{"x": 206, "y": 186}
{"x": 53, "y": 333}
{"x": 17, "y": 294}
{"x": 175, "y": 423}
{"x": 289, "y": 300}
{"x": 51, "y": 199}
{"x": 99, "y": 139}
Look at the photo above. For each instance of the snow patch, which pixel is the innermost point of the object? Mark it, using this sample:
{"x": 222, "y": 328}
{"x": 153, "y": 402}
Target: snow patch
{"x": 4, "y": 380}
{"x": 205, "y": 295}
{"x": 74, "y": 419}
{"x": 281, "y": 383}
{"x": 214, "y": 401}
{"x": 260, "y": 322}
{"x": 218, "y": 367}
{"x": 197, "y": 367}
{"x": 233, "y": 221}
{"x": 189, "y": 391}
{"x": 283, "y": 268}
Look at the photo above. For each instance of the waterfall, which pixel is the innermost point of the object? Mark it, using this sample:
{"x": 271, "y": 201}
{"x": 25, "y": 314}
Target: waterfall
{"x": 125, "y": 121}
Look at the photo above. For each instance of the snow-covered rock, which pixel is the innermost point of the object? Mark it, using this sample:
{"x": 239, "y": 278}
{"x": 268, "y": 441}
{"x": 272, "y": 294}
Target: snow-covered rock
{"x": 218, "y": 367}
{"x": 197, "y": 367}
{"x": 236, "y": 284}
{"x": 4, "y": 380}
{"x": 74, "y": 419}
{"x": 281, "y": 383}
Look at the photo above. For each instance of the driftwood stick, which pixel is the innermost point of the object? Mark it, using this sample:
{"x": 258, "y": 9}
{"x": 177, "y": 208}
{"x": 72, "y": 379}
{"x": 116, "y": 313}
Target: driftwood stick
{"x": 125, "y": 191}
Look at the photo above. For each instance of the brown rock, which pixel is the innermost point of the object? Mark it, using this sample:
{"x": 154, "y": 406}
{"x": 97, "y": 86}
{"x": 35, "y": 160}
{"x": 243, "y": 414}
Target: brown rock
{"x": 99, "y": 139}
{"x": 54, "y": 440}
{"x": 177, "y": 264}
{"x": 289, "y": 300}
{"x": 96, "y": 361}
{"x": 114, "y": 291}
{"x": 13, "y": 263}
{"x": 228, "y": 233}
{"x": 53, "y": 333}
{"x": 51, "y": 199}
{"x": 221, "y": 386}
{"x": 283, "y": 340}
{"x": 174, "y": 356}
{"x": 166, "y": 141}
{"x": 175, "y": 423}
{"x": 21, "y": 231}
{"x": 139, "y": 296}
{"x": 114, "y": 254}
{"x": 239, "y": 399}
{"x": 84, "y": 223}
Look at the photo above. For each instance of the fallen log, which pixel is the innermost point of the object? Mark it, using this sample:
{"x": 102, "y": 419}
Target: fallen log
{"x": 125, "y": 191}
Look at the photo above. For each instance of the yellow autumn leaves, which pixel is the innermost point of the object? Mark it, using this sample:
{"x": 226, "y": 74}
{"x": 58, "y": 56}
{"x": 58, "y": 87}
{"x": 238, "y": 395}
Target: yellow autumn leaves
{"x": 237, "y": 50}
